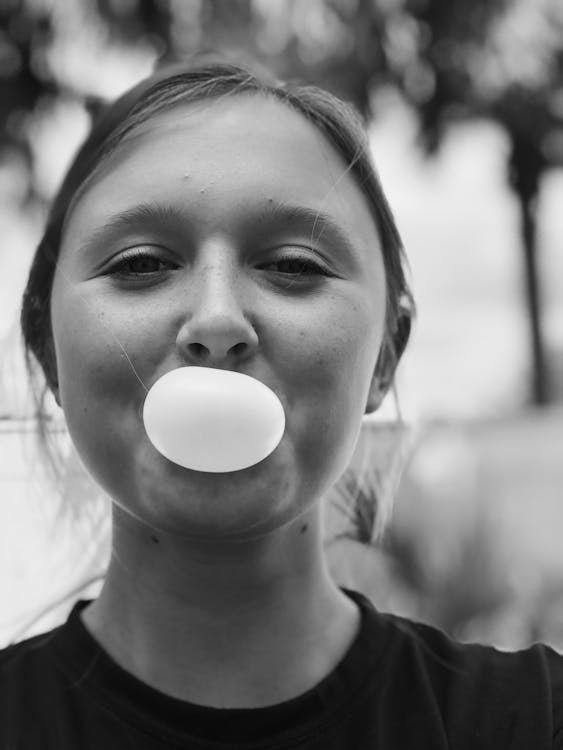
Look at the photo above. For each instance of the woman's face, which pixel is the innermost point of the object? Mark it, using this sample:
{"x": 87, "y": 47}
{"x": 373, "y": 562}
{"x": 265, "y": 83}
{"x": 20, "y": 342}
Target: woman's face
{"x": 197, "y": 244}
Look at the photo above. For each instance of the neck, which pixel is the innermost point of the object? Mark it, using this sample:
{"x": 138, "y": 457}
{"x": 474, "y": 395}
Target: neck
{"x": 211, "y": 623}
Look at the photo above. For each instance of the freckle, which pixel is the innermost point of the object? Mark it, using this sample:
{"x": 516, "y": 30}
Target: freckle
{"x": 155, "y": 539}
{"x": 303, "y": 528}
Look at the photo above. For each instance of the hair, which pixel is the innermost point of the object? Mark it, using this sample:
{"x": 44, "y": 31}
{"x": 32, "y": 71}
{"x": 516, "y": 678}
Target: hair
{"x": 206, "y": 78}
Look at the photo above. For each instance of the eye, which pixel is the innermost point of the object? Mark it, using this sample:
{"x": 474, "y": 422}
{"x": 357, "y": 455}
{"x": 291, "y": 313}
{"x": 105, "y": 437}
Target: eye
{"x": 297, "y": 265}
{"x": 139, "y": 262}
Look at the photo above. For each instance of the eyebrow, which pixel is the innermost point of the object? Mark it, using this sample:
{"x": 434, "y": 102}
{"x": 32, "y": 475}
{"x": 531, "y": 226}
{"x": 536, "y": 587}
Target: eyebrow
{"x": 317, "y": 222}
{"x": 141, "y": 216}
{"x": 275, "y": 213}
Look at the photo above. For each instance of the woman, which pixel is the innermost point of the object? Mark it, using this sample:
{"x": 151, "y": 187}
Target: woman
{"x": 216, "y": 218}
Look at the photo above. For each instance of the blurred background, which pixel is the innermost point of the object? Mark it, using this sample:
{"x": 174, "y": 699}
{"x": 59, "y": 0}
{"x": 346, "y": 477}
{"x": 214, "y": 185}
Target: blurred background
{"x": 464, "y": 105}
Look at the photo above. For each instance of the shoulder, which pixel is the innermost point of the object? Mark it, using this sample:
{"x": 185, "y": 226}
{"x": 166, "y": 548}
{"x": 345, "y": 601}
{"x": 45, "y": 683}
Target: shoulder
{"x": 15, "y": 652}
{"x": 25, "y": 664}
{"x": 30, "y": 687}
{"x": 480, "y": 688}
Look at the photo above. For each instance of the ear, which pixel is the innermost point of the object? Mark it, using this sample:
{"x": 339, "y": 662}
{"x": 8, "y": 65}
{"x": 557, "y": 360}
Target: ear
{"x": 389, "y": 357}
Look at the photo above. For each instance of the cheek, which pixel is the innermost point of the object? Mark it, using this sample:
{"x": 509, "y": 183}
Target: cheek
{"x": 104, "y": 348}
{"x": 338, "y": 346}
{"x": 90, "y": 361}
{"x": 334, "y": 359}
{"x": 96, "y": 349}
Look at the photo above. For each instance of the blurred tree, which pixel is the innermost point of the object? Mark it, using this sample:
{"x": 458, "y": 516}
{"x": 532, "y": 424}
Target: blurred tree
{"x": 24, "y": 34}
{"x": 450, "y": 59}
{"x": 502, "y": 60}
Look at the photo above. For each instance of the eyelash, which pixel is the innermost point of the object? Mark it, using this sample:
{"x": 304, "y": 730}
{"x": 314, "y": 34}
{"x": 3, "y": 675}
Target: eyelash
{"x": 117, "y": 270}
{"x": 129, "y": 257}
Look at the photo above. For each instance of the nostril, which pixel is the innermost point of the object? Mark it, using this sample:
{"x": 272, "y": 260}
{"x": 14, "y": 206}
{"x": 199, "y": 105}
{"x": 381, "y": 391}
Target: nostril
{"x": 239, "y": 348}
{"x": 198, "y": 349}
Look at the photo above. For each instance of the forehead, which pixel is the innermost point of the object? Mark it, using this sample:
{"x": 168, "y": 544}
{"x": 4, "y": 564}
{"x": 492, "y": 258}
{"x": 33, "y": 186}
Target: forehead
{"x": 217, "y": 157}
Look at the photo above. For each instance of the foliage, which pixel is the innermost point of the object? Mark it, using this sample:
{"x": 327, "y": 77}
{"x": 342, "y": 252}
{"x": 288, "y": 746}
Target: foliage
{"x": 445, "y": 56}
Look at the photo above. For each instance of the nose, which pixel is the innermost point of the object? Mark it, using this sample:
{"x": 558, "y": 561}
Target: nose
{"x": 215, "y": 331}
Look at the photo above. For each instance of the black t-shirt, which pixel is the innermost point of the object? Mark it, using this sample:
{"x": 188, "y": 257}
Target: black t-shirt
{"x": 401, "y": 685}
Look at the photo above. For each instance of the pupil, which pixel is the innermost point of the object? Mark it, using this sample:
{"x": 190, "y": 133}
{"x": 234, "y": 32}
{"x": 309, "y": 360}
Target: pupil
{"x": 296, "y": 265}
{"x": 144, "y": 265}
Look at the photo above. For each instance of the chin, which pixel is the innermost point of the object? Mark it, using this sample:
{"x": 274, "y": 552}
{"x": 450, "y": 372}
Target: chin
{"x": 235, "y": 504}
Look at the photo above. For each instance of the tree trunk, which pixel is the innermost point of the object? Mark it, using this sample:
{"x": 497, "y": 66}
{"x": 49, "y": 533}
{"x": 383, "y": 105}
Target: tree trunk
{"x": 526, "y": 166}
{"x": 540, "y": 395}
